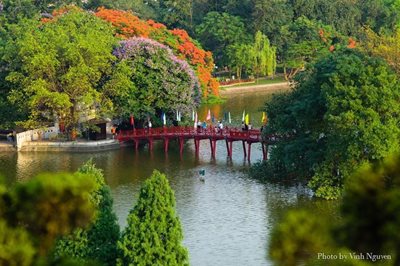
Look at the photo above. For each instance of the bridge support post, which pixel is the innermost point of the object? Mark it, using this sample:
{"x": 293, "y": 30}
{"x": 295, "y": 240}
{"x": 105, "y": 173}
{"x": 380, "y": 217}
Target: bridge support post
{"x": 244, "y": 148}
{"x": 181, "y": 142}
{"x": 197, "y": 146}
{"x": 229, "y": 148}
{"x": 151, "y": 144}
{"x": 136, "y": 144}
{"x": 166, "y": 142}
{"x": 249, "y": 152}
{"x": 213, "y": 147}
{"x": 264, "y": 150}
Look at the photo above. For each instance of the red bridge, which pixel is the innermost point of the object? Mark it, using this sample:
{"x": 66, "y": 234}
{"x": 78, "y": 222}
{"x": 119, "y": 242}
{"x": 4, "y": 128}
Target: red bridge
{"x": 184, "y": 133}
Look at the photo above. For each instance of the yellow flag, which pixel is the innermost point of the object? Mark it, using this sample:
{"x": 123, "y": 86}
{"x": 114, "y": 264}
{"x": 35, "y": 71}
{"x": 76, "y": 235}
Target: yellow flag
{"x": 264, "y": 118}
{"x": 247, "y": 119}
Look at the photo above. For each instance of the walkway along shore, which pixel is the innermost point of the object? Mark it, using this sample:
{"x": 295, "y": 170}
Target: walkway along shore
{"x": 254, "y": 88}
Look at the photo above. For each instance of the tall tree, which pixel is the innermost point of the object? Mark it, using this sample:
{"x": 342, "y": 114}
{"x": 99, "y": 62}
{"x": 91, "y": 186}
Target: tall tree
{"x": 269, "y": 16}
{"x": 153, "y": 235}
{"x": 57, "y": 69}
{"x": 151, "y": 80}
{"x": 343, "y": 112}
{"x": 218, "y": 31}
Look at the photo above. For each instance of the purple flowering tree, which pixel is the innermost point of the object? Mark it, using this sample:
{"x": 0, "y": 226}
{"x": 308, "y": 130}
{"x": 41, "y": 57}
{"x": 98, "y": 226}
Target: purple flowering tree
{"x": 150, "y": 79}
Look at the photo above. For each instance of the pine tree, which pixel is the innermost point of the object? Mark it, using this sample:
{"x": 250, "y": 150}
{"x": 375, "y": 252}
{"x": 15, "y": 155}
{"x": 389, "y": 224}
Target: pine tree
{"x": 154, "y": 234}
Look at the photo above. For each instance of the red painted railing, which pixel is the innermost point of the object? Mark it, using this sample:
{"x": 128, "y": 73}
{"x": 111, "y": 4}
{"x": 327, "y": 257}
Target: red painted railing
{"x": 190, "y": 132}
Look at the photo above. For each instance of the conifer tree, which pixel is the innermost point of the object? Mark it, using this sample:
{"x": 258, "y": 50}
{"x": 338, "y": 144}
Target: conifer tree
{"x": 154, "y": 234}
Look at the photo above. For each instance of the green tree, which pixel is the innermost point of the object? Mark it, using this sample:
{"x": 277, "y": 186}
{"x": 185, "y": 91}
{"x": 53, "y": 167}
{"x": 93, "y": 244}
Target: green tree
{"x": 304, "y": 41}
{"x": 46, "y": 207}
{"x": 16, "y": 248}
{"x": 241, "y": 58}
{"x": 371, "y": 210}
{"x": 343, "y": 112}
{"x": 270, "y": 16}
{"x": 153, "y": 235}
{"x": 218, "y": 31}
{"x": 299, "y": 237}
{"x": 369, "y": 222}
{"x": 386, "y": 46}
{"x": 57, "y": 71}
{"x": 99, "y": 241}
{"x": 264, "y": 56}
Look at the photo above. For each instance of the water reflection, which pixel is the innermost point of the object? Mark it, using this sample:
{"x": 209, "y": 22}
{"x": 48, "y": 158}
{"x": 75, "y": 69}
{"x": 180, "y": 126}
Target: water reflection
{"x": 226, "y": 219}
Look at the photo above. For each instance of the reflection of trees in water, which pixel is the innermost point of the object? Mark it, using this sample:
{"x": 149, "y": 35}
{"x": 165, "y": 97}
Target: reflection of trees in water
{"x": 252, "y": 103}
{"x": 282, "y": 198}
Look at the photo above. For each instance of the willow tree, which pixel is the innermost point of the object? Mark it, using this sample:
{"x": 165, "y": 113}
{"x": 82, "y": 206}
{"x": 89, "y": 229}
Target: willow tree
{"x": 264, "y": 56}
{"x": 154, "y": 234}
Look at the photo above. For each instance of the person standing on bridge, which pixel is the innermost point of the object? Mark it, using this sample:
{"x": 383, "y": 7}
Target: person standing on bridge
{"x": 150, "y": 125}
{"x": 220, "y": 126}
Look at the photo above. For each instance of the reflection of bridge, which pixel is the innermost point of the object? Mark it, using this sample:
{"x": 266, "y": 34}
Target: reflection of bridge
{"x": 183, "y": 133}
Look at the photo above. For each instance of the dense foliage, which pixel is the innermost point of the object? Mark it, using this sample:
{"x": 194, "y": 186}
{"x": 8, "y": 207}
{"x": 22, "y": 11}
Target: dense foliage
{"x": 154, "y": 234}
{"x": 128, "y": 25}
{"x": 99, "y": 241}
{"x": 370, "y": 211}
{"x": 33, "y": 214}
{"x": 344, "y": 111}
{"x": 155, "y": 80}
{"x": 55, "y": 70}
{"x": 239, "y": 20}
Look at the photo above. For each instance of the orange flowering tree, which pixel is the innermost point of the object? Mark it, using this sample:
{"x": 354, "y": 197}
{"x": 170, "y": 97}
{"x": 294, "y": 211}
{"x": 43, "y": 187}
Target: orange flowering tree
{"x": 128, "y": 25}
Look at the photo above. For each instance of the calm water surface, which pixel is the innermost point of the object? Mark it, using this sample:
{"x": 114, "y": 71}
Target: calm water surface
{"x": 226, "y": 220}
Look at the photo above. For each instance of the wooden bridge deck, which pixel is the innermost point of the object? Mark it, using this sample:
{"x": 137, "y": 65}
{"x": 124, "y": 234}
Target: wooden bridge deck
{"x": 184, "y": 133}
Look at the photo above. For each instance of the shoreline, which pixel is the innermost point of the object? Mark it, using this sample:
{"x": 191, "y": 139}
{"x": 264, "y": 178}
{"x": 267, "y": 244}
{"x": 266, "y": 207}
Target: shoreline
{"x": 254, "y": 88}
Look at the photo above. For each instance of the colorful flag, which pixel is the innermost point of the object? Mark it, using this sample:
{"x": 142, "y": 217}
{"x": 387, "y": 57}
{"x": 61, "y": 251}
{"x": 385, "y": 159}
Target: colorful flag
{"x": 244, "y": 113}
{"x": 264, "y": 118}
{"x": 195, "y": 121}
{"x": 164, "y": 119}
{"x": 208, "y": 115}
{"x": 229, "y": 118}
{"x": 193, "y": 115}
{"x": 247, "y": 119}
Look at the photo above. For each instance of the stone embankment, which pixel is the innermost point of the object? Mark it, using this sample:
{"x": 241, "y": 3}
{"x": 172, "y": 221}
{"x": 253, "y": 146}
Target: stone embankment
{"x": 6, "y": 146}
{"x": 255, "y": 88}
{"x": 71, "y": 146}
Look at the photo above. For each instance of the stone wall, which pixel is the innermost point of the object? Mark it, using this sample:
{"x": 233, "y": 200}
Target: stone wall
{"x": 36, "y": 134}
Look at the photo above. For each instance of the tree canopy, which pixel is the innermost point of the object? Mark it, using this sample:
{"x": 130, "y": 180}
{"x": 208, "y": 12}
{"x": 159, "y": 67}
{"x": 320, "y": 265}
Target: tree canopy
{"x": 344, "y": 111}
{"x": 57, "y": 69}
{"x": 368, "y": 224}
{"x": 97, "y": 242}
{"x": 154, "y": 234}
{"x": 155, "y": 80}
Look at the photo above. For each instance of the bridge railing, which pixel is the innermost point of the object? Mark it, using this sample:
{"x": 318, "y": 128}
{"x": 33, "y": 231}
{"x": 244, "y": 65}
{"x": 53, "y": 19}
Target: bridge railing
{"x": 232, "y": 133}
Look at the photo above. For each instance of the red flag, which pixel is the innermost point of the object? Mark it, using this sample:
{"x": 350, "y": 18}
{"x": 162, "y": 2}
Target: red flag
{"x": 132, "y": 120}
